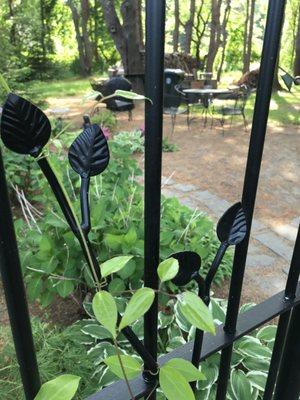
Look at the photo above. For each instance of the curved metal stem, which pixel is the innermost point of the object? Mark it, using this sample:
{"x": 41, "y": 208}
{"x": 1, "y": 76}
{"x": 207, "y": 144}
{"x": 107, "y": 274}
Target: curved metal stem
{"x": 213, "y": 270}
{"x": 85, "y": 207}
{"x": 88, "y": 252}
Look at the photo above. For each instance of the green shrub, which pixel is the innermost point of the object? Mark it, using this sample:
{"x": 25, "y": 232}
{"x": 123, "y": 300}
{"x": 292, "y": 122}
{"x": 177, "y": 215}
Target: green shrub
{"x": 250, "y": 361}
{"x": 133, "y": 140}
{"x": 81, "y": 348}
{"x": 105, "y": 118}
{"x": 51, "y": 257}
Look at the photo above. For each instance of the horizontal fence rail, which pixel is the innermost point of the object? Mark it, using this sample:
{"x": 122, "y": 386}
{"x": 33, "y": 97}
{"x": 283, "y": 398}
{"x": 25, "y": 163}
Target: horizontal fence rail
{"x": 247, "y": 322}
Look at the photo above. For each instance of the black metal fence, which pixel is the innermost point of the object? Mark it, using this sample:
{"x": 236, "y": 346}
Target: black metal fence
{"x": 283, "y": 382}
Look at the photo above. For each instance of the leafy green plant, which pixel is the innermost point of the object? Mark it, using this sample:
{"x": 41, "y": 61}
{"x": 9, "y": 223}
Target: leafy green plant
{"x": 116, "y": 199}
{"x": 169, "y": 147}
{"x": 174, "y": 376}
{"x": 105, "y": 118}
{"x": 133, "y": 140}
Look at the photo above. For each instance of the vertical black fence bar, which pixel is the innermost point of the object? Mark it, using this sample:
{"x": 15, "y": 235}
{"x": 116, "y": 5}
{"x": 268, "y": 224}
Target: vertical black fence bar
{"x": 155, "y": 33}
{"x": 15, "y": 295}
{"x": 294, "y": 272}
{"x": 260, "y": 117}
{"x": 290, "y": 291}
{"x": 288, "y": 381}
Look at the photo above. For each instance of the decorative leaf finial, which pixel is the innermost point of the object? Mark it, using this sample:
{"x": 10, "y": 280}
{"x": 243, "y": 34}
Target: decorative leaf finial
{"x": 24, "y": 128}
{"x": 89, "y": 153}
{"x": 232, "y": 226}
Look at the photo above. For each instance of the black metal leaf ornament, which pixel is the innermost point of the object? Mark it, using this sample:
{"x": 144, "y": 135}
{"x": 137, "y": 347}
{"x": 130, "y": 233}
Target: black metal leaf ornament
{"x": 24, "y": 128}
{"x": 232, "y": 226}
{"x": 89, "y": 153}
{"x": 189, "y": 265}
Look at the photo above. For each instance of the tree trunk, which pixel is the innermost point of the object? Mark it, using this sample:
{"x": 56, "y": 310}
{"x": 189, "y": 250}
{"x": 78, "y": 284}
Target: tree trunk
{"x": 245, "y": 39}
{"x": 140, "y": 25}
{"x": 200, "y": 29}
{"x": 225, "y": 36}
{"x": 297, "y": 49}
{"x": 43, "y": 30}
{"x": 88, "y": 53}
{"x": 176, "y": 26}
{"x": 188, "y": 27}
{"x": 76, "y": 22}
{"x": 214, "y": 40}
{"x": 12, "y": 33}
{"x": 248, "y": 35}
{"x": 126, "y": 38}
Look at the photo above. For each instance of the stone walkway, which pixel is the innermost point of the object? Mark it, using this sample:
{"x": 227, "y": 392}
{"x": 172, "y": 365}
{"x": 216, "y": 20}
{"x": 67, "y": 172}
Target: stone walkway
{"x": 270, "y": 251}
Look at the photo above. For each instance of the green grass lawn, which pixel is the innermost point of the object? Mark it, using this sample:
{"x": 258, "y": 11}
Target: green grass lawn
{"x": 284, "y": 107}
{"x": 58, "y": 88}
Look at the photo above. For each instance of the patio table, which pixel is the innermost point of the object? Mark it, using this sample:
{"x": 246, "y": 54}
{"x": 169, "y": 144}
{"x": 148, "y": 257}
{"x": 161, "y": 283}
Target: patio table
{"x": 206, "y": 94}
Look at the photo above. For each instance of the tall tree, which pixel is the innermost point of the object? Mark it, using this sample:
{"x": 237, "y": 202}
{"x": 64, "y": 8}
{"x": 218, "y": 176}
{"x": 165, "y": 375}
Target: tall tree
{"x": 248, "y": 34}
{"x": 80, "y": 21}
{"x": 200, "y": 25}
{"x": 11, "y": 8}
{"x": 188, "y": 27}
{"x": 176, "y": 26}
{"x": 224, "y": 36}
{"x": 126, "y": 36}
{"x": 297, "y": 49}
{"x": 215, "y": 32}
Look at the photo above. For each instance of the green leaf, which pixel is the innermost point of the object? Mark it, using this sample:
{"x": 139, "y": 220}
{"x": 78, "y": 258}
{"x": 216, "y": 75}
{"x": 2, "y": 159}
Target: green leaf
{"x": 128, "y": 270}
{"x": 168, "y": 269}
{"x": 96, "y": 331}
{"x": 139, "y": 303}
{"x": 267, "y": 333}
{"x": 105, "y": 310}
{"x": 63, "y": 387}
{"x": 130, "y": 237}
{"x": 116, "y": 286}
{"x": 256, "y": 364}
{"x": 131, "y": 95}
{"x": 114, "y": 265}
{"x": 211, "y": 374}
{"x": 131, "y": 365}
{"x": 196, "y": 312}
{"x": 240, "y": 385}
{"x": 186, "y": 369}
{"x": 174, "y": 385}
{"x": 253, "y": 349}
{"x": 34, "y": 287}
{"x": 45, "y": 244}
{"x": 258, "y": 379}
{"x": 65, "y": 287}
{"x": 4, "y": 85}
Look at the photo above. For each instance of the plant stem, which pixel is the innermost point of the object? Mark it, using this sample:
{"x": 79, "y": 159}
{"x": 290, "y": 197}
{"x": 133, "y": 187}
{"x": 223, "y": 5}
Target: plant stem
{"x": 152, "y": 391}
{"x": 123, "y": 369}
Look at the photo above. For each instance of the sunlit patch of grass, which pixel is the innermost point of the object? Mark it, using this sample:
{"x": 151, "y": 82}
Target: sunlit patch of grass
{"x": 60, "y": 88}
{"x": 284, "y": 107}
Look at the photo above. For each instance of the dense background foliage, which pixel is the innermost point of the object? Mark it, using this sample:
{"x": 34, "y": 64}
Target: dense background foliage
{"x": 42, "y": 39}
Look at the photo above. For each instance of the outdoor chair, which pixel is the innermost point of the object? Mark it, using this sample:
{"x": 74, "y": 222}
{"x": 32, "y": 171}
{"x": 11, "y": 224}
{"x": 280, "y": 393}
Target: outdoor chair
{"x": 118, "y": 104}
{"x": 236, "y": 108}
{"x": 174, "y": 99}
{"x": 289, "y": 80}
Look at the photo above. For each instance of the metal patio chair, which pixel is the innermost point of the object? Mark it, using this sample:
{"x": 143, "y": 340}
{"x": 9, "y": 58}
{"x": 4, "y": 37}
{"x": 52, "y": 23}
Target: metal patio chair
{"x": 236, "y": 108}
{"x": 118, "y": 104}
